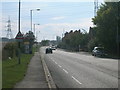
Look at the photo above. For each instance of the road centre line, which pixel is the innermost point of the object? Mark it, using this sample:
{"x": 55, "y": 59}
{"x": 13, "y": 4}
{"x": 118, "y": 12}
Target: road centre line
{"x": 55, "y": 62}
{"x": 76, "y": 80}
{"x": 60, "y": 66}
{"x": 65, "y": 71}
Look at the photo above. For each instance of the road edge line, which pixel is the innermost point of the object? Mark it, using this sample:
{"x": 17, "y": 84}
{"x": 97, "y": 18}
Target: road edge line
{"x": 48, "y": 76}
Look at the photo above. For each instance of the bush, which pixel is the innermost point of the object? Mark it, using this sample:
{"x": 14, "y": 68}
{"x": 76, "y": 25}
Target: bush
{"x": 92, "y": 43}
{"x": 9, "y": 50}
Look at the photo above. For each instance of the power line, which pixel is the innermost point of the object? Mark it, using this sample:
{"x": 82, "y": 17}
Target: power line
{"x": 9, "y": 32}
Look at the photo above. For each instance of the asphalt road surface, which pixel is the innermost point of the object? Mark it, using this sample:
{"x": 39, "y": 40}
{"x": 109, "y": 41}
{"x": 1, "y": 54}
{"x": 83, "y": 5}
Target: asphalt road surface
{"x": 76, "y": 70}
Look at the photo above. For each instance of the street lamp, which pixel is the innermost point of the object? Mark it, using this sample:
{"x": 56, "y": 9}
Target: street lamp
{"x": 34, "y": 27}
{"x": 37, "y": 44}
{"x": 31, "y": 15}
{"x": 37, "y": 32}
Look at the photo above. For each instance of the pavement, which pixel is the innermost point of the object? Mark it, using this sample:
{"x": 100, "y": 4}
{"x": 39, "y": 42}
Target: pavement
{"x": 35, "y": 76}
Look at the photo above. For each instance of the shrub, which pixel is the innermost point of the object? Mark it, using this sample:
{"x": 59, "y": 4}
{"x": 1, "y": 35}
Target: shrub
{"x": 9, "y": 50}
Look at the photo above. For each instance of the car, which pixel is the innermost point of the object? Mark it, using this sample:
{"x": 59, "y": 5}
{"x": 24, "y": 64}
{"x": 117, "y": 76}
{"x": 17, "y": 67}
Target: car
{"x": 98, "y": 51}
{"x": 53, "y": 47}
{"x": 48, "y": 50}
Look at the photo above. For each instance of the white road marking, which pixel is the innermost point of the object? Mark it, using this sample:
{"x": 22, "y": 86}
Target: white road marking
{"x": 59, "y": 66}
{"x": 65, "y": 71}
{"x": 76, "y": 80}
{"x": 55, "y": 62}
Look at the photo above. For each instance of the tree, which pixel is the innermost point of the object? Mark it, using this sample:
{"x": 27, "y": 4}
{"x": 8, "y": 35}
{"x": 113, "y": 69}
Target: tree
{"x": 72, "y": 40}
{"x": 29, "y": 37}
{"x": 106, "y": 25}
{"x": 45, "y": 42}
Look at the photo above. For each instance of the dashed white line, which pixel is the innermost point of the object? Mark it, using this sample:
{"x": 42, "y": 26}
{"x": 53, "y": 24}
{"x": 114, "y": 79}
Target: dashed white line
{"x": 65, "y": 71}
{"x": 76, "y": 80}
{"x": 55, "y": 62}
{"x": 60, "y": 66}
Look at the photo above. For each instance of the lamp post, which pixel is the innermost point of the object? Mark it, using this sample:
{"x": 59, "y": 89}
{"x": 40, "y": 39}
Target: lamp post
{"x": 34, "y": 27}
{"x": 37, "y": 34}
{"x": 31, "y": 16}
{"x": 36, "y": 40}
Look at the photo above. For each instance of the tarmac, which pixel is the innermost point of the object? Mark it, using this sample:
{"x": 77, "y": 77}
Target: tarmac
{"x": 35, "y": 76}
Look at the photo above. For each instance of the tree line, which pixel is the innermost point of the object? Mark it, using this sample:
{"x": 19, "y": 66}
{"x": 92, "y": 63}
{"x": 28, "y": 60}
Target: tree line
{"x": 74, "y": 40}
{"x": 105, "y": 33}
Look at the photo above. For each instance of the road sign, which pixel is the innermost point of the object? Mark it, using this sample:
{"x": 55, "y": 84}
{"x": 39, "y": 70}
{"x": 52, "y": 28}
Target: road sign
{"x": 26, "y": 42}
{"x": 19, "y": 36}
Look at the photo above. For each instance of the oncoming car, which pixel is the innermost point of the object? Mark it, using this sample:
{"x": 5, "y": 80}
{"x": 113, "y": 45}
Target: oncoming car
{"x": 48, "y": 50}
{"x": 53, "y": 48}
{"x": 98, "y": 51}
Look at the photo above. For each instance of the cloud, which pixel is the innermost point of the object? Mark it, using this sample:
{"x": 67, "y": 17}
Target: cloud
{"x": 51, "y": 30}
{"x": 58, "y": 18}
{"x": 83, "y": 23}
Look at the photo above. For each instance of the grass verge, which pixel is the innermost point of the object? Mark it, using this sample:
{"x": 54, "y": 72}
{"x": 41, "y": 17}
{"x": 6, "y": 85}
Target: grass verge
{"x": 12, "y": 72}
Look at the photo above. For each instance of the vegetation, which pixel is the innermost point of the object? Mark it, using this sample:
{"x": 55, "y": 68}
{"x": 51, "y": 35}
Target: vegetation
{"x": 106, "y": 23}
{"x": 74, "y": 40}
{"x": 45, "y": 42}
{"x": 9, "y": 50}
{"x": 29, "y": 37}
{"x": 12, "y": 72}
{"x": 104, "y": 33}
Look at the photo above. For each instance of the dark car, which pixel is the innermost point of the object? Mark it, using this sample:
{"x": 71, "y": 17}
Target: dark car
{"x": 48, "y": 50}
{"x": 98, "y": 51}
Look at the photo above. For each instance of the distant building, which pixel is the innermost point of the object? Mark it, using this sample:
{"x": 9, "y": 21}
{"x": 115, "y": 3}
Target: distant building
{"x": 58, "y": 38}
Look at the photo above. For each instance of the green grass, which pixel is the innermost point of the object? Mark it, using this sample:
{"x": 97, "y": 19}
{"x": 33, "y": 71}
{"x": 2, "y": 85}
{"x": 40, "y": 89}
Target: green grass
{"x": 12, "y": 72}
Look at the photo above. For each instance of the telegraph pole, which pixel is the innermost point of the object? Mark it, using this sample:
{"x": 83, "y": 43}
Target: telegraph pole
{"x": 19, "y": 32}
{"x": 19, "y": 18}
{"x": 19, "y": 36}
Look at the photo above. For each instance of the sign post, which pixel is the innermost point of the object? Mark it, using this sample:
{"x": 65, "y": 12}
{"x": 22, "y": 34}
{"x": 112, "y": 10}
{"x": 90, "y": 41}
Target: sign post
{"x": 19, "y": 38}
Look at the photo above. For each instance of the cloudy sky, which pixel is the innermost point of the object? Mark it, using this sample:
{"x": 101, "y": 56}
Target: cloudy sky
{"x": 54, "y": 17}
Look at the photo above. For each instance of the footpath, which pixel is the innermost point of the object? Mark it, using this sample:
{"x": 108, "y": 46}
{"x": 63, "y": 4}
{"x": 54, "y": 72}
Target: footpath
{"x": 35, "y": 76}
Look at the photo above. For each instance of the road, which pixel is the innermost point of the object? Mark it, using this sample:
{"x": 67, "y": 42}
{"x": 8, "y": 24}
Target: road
{"x": 76, "y": 70}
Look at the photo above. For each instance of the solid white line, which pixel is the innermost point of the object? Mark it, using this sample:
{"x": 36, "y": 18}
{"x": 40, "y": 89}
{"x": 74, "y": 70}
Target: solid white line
{"x": 76, "y": 80}
{"x": 59, "y": 66}
{"x": 65, "y": 71}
